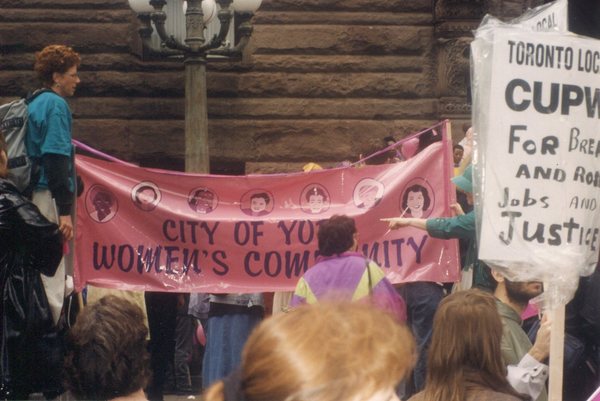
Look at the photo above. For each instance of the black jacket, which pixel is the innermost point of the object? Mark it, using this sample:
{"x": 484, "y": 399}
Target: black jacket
{"x": 29, "y": 245}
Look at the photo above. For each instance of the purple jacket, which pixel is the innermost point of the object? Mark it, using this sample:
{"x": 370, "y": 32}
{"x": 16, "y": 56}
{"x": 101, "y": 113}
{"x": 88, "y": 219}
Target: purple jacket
{"x": 348, "y": 277}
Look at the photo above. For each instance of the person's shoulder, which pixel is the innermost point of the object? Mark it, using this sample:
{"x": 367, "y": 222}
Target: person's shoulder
{"x": 357, "y": 260}
{"x": 55, "y": 99}
{"x": 484, "y": 394}
{"x": 507, "y": 314}
{"x": 49, "y": 98}
{"x": 315, "y": 269}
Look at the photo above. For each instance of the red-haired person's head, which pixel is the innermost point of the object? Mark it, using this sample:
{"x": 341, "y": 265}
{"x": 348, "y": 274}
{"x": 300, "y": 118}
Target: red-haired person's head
{"x": 56, "y": 67}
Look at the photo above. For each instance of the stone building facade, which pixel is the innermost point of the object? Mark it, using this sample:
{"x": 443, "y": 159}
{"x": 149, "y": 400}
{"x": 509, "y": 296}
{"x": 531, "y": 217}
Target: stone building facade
{"x": 320, "y": 79}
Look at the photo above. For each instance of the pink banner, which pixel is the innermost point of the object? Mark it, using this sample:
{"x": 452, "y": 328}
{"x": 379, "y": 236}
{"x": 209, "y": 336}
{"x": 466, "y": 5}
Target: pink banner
{"x": 157, "y": 230}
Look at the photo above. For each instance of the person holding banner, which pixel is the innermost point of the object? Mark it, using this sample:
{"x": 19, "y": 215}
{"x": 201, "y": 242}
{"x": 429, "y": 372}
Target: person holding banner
{"x": 460, "y": 226}
{"x": 465, "y": 359}
{"x": 48, "y": 142}
{"x": 341, "y": 273}
{"x": 322, "y": 352}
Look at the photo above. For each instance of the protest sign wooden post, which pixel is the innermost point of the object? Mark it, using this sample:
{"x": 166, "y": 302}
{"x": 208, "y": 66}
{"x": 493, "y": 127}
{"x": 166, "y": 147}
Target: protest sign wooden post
{"x": 557, "y": 340}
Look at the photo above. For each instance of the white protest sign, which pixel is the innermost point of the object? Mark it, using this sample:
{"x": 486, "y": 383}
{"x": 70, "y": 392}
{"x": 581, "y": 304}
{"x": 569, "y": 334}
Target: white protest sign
{"x": 537, "y": 162}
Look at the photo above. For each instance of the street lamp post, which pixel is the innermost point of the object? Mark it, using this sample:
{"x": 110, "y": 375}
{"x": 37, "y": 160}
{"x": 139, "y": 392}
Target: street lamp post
{"x": 196, "y": 51}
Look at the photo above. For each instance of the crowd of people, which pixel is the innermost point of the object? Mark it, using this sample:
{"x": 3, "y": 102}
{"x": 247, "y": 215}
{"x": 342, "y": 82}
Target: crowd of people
{"x": 348, "y": 334}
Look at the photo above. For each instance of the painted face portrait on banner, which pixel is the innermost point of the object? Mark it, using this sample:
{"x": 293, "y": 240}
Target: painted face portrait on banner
{"x": 202, "y": 200}
{"x": 146, "y": 196}
{"x": 101, "y": 204}
{"x": 416, "y": 200}
{"x": 367, "y": 193}
{"x": 257, "y": 203}
{"x": 315, "y": 199}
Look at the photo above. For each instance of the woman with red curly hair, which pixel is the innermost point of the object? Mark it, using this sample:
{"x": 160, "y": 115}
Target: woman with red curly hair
{"x": 49, "y": 146}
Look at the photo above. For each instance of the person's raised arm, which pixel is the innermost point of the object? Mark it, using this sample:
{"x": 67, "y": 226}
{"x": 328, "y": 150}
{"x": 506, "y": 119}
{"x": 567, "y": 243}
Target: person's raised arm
{"x": 399, "y": 222}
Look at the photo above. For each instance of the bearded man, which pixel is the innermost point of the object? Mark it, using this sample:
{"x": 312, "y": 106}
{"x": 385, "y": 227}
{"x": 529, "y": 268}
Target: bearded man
{"x": 526, "y": 371}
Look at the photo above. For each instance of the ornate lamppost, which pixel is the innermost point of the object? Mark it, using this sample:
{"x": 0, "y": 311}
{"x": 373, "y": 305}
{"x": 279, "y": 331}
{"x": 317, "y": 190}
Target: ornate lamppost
{"x": 196, "y": 51}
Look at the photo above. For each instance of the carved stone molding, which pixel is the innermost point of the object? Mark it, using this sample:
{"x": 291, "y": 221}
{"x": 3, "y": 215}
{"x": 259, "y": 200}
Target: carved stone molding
{"x": 458, "y": 9}
{"x": 454, "y": 22}
{"x": 455, "y": 108}
{"x": 452, "y": 29}
{"x": 453, "y": 66}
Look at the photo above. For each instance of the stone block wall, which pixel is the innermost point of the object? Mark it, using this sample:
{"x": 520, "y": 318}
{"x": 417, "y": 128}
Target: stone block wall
{"x": 320, "y": 81}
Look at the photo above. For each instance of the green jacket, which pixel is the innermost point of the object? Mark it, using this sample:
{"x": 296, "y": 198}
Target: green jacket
{"x": 463, "y": 227}
{"x": 515, "y": 344}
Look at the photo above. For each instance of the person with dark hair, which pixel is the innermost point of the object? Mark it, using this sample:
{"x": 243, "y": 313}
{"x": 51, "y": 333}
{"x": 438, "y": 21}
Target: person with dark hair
{"x": 527, "y": 371}
{"x": 389, "y": 141}
{"x": 49, "y": 146}
{"x": 460, "y": 226}
{"x": 465, "y": 359}
{"x": 106, "y": 355}
{"x": 415, "y": 201}
{"x": 428, "y": 137}
{"x": 457, "y": 154}
{"x": 341, "y": 273}
{"x": 325, "y": 352}
{"x": 30, "y": 342}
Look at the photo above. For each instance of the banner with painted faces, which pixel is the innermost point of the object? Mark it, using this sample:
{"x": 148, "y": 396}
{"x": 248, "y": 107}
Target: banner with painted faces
{"x": 164, "y": 231}
{"x": 537, "y": 123}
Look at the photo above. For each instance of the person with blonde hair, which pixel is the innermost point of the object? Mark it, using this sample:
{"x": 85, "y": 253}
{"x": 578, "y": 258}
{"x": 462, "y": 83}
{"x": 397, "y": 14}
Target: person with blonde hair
{"x": 322, "y": 352}
{"x": 465, "y": 358}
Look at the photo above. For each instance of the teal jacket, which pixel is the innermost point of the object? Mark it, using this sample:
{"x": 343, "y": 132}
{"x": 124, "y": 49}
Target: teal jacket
{"x": 463, "y": 227}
